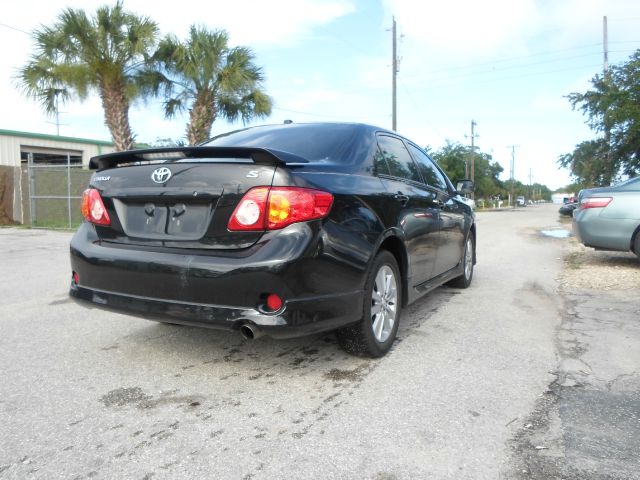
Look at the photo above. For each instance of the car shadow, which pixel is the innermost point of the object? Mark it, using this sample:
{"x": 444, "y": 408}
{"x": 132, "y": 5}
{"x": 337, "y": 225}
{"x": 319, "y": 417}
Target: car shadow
{"x": 611, "y": 259}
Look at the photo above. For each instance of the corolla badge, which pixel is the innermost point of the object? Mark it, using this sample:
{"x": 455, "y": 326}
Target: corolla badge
{"x": 161, "y": 175}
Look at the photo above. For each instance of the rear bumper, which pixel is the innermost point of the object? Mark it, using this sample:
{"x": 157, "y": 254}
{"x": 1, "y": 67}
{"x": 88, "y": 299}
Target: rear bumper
{"x": 297, "y": 317}
{"x": 223, "y": 291}
{"x": 597, "y": 231}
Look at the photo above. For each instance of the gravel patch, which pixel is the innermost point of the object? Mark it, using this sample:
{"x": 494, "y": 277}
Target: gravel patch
{"x": 598, "y": 270}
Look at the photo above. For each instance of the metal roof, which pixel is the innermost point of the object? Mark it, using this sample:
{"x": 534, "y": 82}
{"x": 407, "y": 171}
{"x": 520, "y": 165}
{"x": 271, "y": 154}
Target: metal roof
{"x": 43, "y": 136}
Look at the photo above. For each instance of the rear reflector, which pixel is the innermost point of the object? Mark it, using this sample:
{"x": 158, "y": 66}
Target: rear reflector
{"x": 265, "y": 208}
{"x": 274, "y": 302}
{"x": 93, "y": 209}
{"x": 595, "y": 202}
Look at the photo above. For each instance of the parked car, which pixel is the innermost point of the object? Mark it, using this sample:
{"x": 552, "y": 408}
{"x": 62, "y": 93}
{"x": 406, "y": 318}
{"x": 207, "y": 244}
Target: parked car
{"x": 281, "y": 230}
{"x": 568, "y": 208}
{"x": 608, "y": 218}
{"x": 520, "y": 201}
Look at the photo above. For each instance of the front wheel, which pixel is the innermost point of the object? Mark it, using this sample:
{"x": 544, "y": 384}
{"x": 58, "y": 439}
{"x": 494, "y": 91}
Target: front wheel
{"x": 464, "y": 280}
{"x": 376, "y": 331}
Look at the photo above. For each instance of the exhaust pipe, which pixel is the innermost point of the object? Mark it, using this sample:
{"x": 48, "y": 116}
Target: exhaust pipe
{"x": 250, "y": 332}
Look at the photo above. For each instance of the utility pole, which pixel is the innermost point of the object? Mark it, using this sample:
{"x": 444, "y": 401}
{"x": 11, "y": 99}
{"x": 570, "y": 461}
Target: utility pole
{"x": 474, "y": 135}
{"x": 530, "y": 185}
{"x": 473, "y": 151}
{"x": 471, "y": 172}
{"x": 57, "y": 92}
{"x": 394, "y": 72}
{"x": 605, "y": 45}
{"x": 57, "y": 117}
{"x": 605, "y": 69}
{"x": 512, "y": 173}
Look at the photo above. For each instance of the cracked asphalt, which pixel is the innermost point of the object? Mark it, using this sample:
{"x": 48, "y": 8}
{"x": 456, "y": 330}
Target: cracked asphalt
{"x": 587, "y": 424}
{"x": 529, "y": 373}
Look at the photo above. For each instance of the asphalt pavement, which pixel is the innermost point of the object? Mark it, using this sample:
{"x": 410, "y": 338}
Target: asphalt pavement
{"x": 467, "y": 392}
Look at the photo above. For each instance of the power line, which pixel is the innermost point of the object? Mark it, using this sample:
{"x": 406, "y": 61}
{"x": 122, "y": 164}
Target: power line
{"x": 509, "y": 67}
{"x": 346, "y": 42}
{"x": 514, "y": 77}
{"x": 419, "y": 109}
{"x": 511, "y": 59}
{"x": 14, "y": 28}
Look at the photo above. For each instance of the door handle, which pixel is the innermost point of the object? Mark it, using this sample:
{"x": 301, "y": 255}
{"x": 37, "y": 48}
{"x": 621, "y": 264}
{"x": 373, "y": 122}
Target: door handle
{"x": 402, "y": 198}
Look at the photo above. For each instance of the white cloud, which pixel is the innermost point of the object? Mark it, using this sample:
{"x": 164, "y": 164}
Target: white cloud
{"x": 465, "y": 26}
{"x": 249, "y": 22}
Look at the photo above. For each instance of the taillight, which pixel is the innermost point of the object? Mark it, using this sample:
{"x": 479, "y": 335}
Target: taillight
{"x": 93, "y": 209}
{"x": 265, "y": 208}
{"x": 595, "y": 202}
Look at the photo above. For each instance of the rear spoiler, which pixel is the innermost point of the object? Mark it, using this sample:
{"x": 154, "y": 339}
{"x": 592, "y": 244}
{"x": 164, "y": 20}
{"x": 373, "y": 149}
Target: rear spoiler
{"x": 262, "y": 156}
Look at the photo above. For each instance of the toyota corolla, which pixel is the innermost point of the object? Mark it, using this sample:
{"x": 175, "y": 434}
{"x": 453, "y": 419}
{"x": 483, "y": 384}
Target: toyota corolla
{"x": 282, "y": 230}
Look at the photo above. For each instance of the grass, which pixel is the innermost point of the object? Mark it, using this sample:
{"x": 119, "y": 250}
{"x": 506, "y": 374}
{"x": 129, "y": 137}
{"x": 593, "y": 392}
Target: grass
{"x": 574, "y": 260}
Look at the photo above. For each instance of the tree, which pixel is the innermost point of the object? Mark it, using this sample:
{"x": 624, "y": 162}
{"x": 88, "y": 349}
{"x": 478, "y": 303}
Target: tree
{"x": 211, "y": 79}
{"x": 452, "y": 159}
{"x": 590, "y": 163}
{"x": 613, "y": 109}
{"x": 106, "y": 52}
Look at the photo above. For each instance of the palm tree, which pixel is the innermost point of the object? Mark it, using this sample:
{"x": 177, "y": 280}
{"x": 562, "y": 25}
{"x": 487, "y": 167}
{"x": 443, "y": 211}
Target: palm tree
{"x": 211, "y": 79}
{"x": 106, "y": 52}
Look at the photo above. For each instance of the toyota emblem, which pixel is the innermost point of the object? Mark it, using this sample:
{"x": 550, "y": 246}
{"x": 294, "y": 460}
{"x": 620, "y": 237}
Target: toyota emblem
{"x": 161, "y": 175}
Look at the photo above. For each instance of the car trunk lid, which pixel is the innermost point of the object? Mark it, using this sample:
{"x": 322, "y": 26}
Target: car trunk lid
{"x": 183, "y": 197}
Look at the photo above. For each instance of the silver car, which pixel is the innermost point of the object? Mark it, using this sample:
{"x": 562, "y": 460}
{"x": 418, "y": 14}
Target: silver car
{"x": 608, "y": 218}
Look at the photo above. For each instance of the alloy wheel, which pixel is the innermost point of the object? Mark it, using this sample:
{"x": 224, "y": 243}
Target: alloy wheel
{"x": 468, "y": 258}
{"x": 384, "y": 303}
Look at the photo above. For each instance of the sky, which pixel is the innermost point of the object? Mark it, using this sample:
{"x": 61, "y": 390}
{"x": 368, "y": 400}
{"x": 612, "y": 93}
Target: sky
{"x": 505, "y": 64}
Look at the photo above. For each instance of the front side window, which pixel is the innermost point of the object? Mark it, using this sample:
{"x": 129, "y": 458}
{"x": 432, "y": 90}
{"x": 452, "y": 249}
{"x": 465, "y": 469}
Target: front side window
{"x": 430, "y": 173}
{"x": 397, "y": 158}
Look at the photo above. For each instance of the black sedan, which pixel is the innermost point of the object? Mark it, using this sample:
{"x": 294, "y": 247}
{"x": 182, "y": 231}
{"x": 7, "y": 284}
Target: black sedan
{"x": 282, "y": 230}
{"x": 568, "y": 208}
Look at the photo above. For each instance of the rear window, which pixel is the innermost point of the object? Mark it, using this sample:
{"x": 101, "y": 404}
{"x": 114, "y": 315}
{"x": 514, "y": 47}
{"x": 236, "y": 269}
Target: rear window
{"x": 315, "y": 143}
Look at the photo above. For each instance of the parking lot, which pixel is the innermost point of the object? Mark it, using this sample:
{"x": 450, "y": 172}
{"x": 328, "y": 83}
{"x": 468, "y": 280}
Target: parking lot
{"x": 532, "y": 372}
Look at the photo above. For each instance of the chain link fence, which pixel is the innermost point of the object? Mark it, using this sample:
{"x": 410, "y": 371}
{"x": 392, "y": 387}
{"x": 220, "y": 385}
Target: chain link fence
{"x": 54, "y": 193}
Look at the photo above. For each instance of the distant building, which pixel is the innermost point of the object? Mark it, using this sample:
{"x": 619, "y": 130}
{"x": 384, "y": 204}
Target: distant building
{"x": 19, "y": 149}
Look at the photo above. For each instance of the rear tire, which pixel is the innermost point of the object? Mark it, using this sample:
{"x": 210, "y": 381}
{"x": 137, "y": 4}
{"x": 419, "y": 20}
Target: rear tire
{"x": 464, "y": 280}
{"x": 636, "y": 245}
{"x": 376, "y": 331}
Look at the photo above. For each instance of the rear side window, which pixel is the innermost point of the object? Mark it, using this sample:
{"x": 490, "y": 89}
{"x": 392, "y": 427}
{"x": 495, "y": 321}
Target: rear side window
{"x": 397, "y": 159}
{"x": 430, "y": 173}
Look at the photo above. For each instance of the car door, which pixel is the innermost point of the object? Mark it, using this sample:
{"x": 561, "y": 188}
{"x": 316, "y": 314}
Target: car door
{"x": 451, "y": 213}
{"x": 413, "y": 208}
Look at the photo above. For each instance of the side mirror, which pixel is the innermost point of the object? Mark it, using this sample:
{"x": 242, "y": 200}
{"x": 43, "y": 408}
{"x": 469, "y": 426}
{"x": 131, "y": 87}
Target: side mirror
{"x": 465, "y": 186}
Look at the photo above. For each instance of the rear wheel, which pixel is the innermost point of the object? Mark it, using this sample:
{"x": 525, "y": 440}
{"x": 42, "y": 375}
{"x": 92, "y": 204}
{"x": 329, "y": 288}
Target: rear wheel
{"x": 636, "y": 245}
{"x": 464, "y": 280}
{"x": 376, "y": 331}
